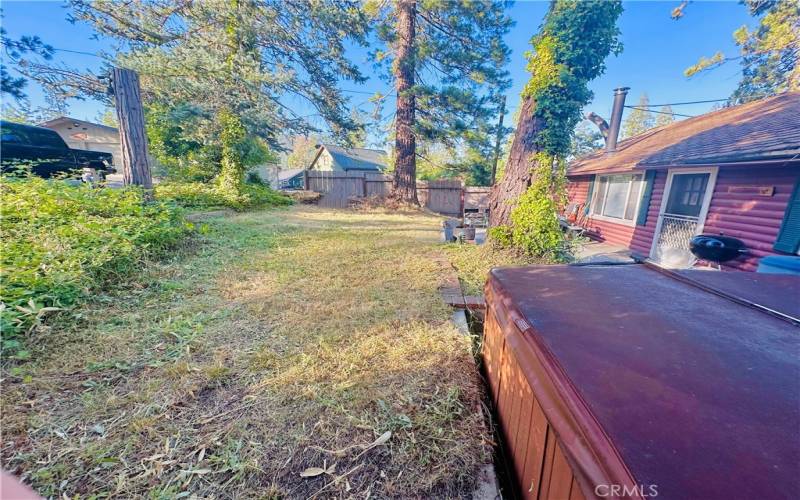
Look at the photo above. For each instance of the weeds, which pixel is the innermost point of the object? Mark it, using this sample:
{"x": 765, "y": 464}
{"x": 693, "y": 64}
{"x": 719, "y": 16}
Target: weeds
{"x": 62, "y": 243}
{"x": 282, "y": 342}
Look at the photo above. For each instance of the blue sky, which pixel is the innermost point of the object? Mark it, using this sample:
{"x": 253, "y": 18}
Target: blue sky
{"x": 656, "y": 51}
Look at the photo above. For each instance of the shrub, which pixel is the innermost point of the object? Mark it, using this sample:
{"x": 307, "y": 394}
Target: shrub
{"x": 253, "y": 178}
{"x": 202, "y": 195}
{"x": 535, "y": 230}
{"x": 500, "y": 236}
{"x": 60, "y": 242}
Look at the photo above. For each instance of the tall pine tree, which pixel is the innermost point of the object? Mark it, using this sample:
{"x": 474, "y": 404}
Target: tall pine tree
{"x": 445, "y": 60}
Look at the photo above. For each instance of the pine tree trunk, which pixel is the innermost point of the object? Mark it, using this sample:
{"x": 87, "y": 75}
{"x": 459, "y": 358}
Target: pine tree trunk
{"x": 517, "y": 176}
{"x": 404, "y": 185}
{"x": 498, "y": 138}
{"x": 132, "y": 136}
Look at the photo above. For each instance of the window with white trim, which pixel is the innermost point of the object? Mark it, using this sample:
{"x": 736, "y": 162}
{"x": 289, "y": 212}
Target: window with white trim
{"x": 617, "y": 196}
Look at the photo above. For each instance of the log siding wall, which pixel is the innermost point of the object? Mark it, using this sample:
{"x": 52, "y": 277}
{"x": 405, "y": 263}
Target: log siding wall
{"x": 753, "y": 218}
{"x": 637, "y": 238}
{"x": 735, "y": 210}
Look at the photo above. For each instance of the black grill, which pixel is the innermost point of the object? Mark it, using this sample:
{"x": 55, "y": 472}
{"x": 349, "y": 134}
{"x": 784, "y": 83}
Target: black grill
{"x": 716, "y": 248}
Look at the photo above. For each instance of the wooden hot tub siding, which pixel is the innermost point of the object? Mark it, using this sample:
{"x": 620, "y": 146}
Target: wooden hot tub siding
{"x": 533, "y": 452}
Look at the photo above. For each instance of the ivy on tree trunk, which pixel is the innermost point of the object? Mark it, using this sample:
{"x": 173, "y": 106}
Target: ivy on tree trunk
{"x": 568, "y": 52}
{"x": 517, "y": 175}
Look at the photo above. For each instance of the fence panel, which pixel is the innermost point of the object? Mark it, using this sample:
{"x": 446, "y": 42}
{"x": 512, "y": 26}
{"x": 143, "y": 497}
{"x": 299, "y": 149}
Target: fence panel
{"x": 378, "y": 185}
{"x": 476, "y": 197}
{"x": 337, "y": 187}
{"x": 444, "y": 197}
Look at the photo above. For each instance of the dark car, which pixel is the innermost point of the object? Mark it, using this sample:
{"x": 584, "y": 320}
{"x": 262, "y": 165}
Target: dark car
{"x": 47, "y": 153}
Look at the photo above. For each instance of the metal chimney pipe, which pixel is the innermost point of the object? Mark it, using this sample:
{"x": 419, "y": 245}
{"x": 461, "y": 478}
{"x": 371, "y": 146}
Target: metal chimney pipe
{"x": 616, "y": 118}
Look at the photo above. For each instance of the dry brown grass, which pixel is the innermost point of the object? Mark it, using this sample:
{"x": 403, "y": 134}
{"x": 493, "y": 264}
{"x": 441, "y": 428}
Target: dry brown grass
{"x": 473, "y": 263}
{"x": 286, "y": 340}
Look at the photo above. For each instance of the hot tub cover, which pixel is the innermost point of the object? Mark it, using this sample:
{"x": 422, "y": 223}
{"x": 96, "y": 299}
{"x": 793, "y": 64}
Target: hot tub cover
{"x": 698, "y": 395}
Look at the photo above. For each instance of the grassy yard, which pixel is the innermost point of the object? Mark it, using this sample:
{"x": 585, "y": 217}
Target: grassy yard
{"x": 473, "y": 263}
{"x": 281, "y": 344}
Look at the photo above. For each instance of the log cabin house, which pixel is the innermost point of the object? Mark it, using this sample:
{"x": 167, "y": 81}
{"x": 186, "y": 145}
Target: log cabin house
{"x": 733, "y": 171}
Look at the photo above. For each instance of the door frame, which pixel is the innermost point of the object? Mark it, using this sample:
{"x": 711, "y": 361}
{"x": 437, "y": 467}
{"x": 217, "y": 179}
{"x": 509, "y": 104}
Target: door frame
{"x": 701, "y": 219}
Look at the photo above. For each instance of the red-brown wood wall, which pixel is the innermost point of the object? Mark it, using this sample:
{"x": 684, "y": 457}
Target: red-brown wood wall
{"x": 736, "y": 210}
{"x": 637, "y": 238}
{"x": 753, "y": 218}
{"x": 534, "y": 453}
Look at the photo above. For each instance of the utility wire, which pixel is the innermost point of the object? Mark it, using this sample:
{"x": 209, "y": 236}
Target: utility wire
{"x": 681, "y": 103}
{"x": 748, "y": 98}
{"x": 659, "y": 112}
{"x": 56, "y": 49}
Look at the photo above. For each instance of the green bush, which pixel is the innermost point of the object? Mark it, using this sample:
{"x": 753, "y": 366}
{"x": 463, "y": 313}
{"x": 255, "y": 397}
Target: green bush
{"x": 202, "y": 195}
{"x": 535, "y": 230}
{"x": 60, "y": 242}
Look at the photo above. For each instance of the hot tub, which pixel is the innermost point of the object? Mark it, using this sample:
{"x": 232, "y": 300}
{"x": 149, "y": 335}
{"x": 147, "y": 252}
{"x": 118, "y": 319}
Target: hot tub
{"x": 624, "y": 382}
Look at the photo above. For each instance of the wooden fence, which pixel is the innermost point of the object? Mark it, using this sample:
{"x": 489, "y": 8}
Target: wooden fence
{"x": 444, "y": 196}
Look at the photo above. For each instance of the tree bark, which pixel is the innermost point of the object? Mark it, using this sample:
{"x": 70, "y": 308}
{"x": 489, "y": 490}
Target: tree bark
{"x": 132, "y": 136}
{"x": 517, "y": 176}
{"x": 404, "y": 185}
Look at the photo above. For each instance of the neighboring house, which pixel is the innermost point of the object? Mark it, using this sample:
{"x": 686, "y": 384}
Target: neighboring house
{"x": 79, "y": 134}
{"x": 733, "y": 171}
{"x": 338, "y": 159}
{"x": 291, "y": 178}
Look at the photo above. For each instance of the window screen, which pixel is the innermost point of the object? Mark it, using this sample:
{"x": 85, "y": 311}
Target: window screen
{"x": 617, "y": 196}
{"x": 686, "y": 194}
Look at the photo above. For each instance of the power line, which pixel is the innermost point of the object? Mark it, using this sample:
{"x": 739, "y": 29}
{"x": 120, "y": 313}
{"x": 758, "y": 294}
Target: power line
{"x": 660, "y": 112}
{"x": 682, "y": 103}
{"x": 748, "y": 98}
{"x": 79, "y": 52}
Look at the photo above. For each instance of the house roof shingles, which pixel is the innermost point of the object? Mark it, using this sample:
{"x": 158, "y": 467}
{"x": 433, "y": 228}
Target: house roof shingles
{"x": 357, "y": 158}
{"x": 768, "y": 129}
{"x": 289, "y": 173}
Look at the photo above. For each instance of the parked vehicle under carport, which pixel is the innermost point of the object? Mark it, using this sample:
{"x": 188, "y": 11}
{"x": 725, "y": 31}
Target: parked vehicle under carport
{"x": 48, "y": 155}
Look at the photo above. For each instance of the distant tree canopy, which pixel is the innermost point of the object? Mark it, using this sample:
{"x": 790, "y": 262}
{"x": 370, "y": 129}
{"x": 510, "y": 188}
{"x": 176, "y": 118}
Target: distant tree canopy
{"x": 438, "y": 161}
{"x": 216, "y": 74}
{"x": 639, "y": 119}
{"x": 769, "y": 55}
{"x": 642, "y": 118}
{"x": 665, "y": 116}
{"x": 303, "y": 151}
{"x": 446, "y": 62}
{"x": 585, "y": 139}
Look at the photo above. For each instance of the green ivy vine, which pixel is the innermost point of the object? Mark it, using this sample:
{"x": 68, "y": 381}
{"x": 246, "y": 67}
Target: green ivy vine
{"x": 568, "y": 52}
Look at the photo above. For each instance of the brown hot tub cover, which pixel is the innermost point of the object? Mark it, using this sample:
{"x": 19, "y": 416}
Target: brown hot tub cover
{"x": 685, "y": 389}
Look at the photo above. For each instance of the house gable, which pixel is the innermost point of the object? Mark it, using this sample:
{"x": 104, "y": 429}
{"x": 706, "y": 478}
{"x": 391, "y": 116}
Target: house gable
{"x": 338, "y": 159}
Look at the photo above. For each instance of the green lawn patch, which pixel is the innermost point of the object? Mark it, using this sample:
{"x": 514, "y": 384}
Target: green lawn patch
{"x": 284, "y": 354}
